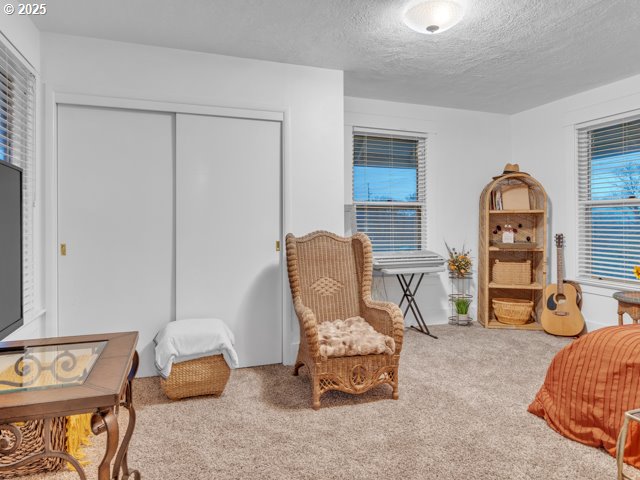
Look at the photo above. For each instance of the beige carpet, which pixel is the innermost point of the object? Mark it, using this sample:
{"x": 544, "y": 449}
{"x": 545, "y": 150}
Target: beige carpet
{"x": 461, "y": 414}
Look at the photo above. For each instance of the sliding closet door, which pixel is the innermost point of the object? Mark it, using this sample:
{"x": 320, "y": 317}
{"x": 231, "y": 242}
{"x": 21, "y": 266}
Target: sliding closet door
{"x": 116, "y": 218}
{"x": 228, "y": 221}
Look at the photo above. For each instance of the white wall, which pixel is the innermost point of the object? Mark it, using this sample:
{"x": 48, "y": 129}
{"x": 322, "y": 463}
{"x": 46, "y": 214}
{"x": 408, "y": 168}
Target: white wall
{"x": 464, "y": 150}
{"x": 312, "y": 98}
{"x": 543, "y": 141}
{"x": 24, "y": 37}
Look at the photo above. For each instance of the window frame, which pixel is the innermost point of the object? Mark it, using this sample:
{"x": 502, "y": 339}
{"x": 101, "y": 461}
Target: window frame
{"x": 584, "y": 231}
{"x": 420, "y": 205}
{"x": 18, "y": 99}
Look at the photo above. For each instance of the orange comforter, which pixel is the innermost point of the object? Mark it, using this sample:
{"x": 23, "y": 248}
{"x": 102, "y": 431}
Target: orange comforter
{"x": 590, "y": 384}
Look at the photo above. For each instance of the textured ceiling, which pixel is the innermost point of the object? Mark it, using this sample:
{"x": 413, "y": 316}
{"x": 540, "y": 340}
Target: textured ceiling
{"x": 505, "y": 56}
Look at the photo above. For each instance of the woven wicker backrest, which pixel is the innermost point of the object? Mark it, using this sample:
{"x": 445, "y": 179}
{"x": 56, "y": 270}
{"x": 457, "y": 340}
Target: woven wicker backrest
{"x": 324, "y": 271}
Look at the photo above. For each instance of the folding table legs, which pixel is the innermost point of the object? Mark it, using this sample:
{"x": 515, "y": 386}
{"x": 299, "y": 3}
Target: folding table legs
{"x": 408, "y": 294}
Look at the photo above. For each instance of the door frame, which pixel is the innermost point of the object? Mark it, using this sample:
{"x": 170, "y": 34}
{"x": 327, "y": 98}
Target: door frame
{"x": 55, "y": 98}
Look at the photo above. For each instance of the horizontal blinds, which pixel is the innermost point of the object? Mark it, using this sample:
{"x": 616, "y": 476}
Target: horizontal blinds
{"x": 17, "y": 85}
{"x": 389, "y": 189}
{"x": 609, "y": 201}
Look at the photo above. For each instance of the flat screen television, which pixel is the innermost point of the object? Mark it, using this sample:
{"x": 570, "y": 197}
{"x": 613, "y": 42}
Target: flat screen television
{"x": 11, "y": 311}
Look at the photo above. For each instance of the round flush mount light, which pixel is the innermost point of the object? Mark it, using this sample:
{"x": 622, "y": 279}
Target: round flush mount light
{"x": 433, "y": 16}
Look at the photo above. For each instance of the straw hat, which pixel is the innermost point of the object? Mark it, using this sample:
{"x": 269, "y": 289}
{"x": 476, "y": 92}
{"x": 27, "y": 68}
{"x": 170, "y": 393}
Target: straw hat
{"x": 510, "y": 168}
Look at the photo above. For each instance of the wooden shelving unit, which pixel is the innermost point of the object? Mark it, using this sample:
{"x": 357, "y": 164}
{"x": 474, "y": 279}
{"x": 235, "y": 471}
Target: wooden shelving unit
{"x": 533, "y": 225}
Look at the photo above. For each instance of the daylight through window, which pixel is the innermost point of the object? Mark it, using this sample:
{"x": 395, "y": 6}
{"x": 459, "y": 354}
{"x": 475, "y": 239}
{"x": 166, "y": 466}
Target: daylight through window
{"x": 609, "y": 201}
{"x": 389, "y": 190}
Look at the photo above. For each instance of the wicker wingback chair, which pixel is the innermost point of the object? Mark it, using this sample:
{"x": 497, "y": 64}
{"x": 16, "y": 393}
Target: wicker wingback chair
{"x": 330, "y": 279}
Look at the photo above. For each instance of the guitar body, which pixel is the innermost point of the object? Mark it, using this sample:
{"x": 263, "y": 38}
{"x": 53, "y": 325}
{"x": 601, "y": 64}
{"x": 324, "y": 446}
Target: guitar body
{"x": 562, "y": 302}
{"x": 561, "y": 314}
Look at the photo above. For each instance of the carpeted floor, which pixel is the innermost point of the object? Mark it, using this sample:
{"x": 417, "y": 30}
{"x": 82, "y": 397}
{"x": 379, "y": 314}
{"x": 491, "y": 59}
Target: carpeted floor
{"x": 461, "y": 414}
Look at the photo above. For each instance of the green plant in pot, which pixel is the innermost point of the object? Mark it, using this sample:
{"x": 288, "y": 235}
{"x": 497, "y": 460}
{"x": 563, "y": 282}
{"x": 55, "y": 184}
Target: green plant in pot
{"x": 462, "y": 308}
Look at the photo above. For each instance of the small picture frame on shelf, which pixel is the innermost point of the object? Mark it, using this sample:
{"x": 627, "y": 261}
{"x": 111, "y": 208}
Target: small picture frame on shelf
{"x": 508, "y": 235}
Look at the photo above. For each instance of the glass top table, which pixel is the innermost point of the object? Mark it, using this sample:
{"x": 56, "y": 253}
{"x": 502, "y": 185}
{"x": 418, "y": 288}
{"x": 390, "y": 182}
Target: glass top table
{"x": 48, "y": 366}
{"x": 48, "y": 378}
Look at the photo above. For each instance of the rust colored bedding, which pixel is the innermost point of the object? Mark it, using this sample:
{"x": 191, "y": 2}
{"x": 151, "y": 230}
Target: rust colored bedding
{"x": 590, "y": 384}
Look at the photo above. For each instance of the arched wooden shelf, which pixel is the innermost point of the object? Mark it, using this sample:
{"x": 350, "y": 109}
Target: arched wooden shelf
{"x": 534, "y": 226}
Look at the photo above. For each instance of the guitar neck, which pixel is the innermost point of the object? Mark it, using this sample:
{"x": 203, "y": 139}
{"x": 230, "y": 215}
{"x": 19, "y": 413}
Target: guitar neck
{"x": 560, "y": 259}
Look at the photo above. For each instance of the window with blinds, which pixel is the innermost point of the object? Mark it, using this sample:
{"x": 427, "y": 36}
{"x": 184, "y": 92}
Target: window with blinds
{"x": 609, "y": 201}
{"x": 17, "y": 104}
{"x": 389, "y": 189}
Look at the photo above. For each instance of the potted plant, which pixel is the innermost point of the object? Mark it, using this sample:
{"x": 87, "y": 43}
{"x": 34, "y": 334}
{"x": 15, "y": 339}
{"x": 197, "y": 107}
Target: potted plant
{"x": 462, "y": 309}
{"x": 459, "y": 261}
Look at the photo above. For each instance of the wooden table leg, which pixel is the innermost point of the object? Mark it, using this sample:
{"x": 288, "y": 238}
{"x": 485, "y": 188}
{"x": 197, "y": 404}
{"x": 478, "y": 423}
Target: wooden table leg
{"x": 622, "y": 439}
{"x": 106, "y": 420}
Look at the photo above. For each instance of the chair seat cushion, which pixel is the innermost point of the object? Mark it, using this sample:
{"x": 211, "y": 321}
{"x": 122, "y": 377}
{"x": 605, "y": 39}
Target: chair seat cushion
{"x": 353, "y": 336}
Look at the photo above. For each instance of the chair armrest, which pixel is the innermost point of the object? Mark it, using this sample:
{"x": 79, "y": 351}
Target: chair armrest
{"x": 308, "y": 327}
{"x": 386, "y": 318}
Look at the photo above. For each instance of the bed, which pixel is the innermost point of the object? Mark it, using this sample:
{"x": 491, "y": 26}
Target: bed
{"x": 589, "y": 386}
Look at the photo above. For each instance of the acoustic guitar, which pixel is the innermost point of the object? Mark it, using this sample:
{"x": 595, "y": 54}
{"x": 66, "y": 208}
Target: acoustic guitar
{"x": 561, "y": 314}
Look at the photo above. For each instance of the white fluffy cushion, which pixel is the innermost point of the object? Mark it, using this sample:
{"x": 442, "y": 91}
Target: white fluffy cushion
{"x": 353, "y": 336}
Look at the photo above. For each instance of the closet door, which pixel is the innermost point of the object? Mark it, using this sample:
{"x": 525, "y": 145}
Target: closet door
{"x": 228, "y": 221}
{"x": 116, "y": 217}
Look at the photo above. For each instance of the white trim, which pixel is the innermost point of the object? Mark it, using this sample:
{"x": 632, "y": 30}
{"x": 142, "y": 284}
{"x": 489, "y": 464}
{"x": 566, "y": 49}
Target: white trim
{"x": 591, "y": 326}
{"x": 357, "y": 129}
{"x": 607, "y": 285}
{"x": 620, "y": 106}
{"x": 604, "y": 288}
{"x": 54, "y": 98}
{"x": 169, "y": 107}
{"x": 387, "y": 122}
{"x": 422, "y": 140}
{"x": 16, "y": 51}
{"x": 289, "y": 320}
{"x": 629, "y": 116}
{"x": 391, "y": 124}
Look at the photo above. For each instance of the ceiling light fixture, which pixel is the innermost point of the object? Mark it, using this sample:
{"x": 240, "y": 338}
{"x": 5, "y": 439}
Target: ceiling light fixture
{"x": 433, "y": 16}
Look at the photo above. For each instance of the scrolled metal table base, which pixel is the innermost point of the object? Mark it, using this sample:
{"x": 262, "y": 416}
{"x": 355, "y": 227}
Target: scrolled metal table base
{"x": 101, "y": 422}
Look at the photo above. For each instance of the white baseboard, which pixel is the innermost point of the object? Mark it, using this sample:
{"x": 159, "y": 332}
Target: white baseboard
{"x": 591, "y": 326}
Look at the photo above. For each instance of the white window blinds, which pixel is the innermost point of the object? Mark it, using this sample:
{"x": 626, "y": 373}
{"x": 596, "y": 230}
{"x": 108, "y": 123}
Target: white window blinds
{"x": 389, "y": 189}
{"x": 609, "y": 201}
{"x": 17, "y": 86}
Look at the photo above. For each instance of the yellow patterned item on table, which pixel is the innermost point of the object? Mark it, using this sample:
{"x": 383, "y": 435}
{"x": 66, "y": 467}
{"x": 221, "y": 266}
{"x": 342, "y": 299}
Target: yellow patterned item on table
{"x": 78, "y": 427}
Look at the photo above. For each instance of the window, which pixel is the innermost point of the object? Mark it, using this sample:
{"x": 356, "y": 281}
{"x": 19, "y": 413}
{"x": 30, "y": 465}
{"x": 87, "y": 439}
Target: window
{"x": 17, "y": 85}
{"x": 609, "y": 201}
{"x": 389, "y": 191}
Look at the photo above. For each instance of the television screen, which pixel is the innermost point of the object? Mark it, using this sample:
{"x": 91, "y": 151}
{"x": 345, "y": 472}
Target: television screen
{"x": 10, "y": 248}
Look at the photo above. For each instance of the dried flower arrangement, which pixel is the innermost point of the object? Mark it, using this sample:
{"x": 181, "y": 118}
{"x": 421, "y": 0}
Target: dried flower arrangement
{"x": 460, "y": 262}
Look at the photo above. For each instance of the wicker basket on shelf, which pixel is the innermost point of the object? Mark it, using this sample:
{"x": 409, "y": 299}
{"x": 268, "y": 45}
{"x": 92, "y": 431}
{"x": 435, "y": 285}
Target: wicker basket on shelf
{"x": 512, "y": 273}
{"x": 512, "y": 311}
{"x": 33, "y": 441}
{"x": 202, "y": 376}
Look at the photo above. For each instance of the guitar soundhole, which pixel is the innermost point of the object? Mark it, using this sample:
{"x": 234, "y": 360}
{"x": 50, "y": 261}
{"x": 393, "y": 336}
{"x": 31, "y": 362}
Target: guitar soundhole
{"x": 561, "y": 298}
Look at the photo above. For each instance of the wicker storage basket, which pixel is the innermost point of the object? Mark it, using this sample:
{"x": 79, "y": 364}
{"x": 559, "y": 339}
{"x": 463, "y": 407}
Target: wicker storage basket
{"x": 33, "y": 441}
{"x": 202, "y": 376}
{"x": 512, "y": 311}
{"x": 512, "y": 273}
